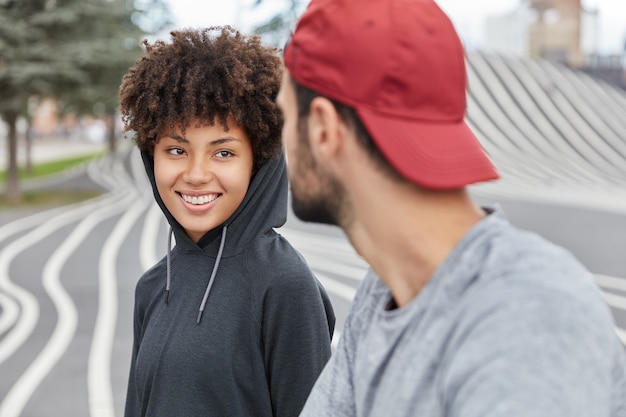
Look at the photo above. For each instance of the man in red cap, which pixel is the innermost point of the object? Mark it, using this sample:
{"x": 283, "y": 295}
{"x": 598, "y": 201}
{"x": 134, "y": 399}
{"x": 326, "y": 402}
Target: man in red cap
{"x": 461, "y": 314}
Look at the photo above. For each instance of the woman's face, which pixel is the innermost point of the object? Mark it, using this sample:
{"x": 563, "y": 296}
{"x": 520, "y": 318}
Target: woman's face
{"x": 203, "y": 175}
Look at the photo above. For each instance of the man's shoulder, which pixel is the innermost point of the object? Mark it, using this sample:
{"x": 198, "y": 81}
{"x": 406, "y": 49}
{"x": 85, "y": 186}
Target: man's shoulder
{"x": 525, "y": 259}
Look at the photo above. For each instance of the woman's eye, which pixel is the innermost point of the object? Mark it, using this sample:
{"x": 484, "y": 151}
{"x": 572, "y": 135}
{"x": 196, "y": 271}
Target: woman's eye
{"x": 176, "y": 151}
{"x": 224, "y": 154}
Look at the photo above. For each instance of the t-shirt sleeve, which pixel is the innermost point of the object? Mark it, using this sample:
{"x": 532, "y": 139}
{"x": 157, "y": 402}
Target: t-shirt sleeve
{"x": 529, "y": 354}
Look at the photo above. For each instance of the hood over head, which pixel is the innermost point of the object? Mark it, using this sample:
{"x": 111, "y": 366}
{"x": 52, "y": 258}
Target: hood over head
{"x": 263, "y": 208}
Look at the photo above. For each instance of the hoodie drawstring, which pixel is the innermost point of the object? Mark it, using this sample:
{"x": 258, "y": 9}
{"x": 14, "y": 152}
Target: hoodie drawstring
{"x": 213, "y": 273}
{"x": 169, "y": 267}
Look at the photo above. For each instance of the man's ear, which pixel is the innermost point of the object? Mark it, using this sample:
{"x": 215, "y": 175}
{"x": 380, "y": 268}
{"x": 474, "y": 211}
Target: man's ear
{"x": 326, "y": 128}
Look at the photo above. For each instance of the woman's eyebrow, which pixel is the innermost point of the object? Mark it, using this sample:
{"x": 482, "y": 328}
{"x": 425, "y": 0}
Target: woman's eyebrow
{"x": 218, "y": 141}
{"x": 221, "y": 141}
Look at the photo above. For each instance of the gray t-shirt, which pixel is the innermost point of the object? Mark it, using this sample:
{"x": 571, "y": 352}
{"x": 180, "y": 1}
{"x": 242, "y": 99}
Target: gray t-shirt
{"x": 510, "y": 325}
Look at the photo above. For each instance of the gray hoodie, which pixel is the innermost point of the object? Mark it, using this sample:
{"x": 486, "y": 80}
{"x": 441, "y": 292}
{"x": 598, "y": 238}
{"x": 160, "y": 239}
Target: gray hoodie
{"x": 235, "y": 325}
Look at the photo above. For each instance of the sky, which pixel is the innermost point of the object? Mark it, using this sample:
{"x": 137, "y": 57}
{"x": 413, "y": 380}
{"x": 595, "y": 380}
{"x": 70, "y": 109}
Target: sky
{"x": 468, "y": 17}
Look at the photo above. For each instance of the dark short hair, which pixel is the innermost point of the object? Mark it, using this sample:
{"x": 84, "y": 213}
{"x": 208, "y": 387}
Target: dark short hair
{"x": 205, "y": 74}
{"x": 304, "y": 97}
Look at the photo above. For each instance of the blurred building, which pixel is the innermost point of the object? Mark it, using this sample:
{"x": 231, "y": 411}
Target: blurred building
{"x": 556, "y": 31}
{"x": 45, "y": 120}
{"x": 508, "y": 33}
{"x": 562, "y": 31}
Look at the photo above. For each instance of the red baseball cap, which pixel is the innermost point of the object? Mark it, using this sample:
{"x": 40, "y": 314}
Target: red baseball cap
{"x": 401, "y": 65}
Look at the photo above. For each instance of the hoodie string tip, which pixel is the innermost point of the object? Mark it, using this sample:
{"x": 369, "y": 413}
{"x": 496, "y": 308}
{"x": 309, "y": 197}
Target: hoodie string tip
{"x": 167, "y": 296}
{"x": 199, "y": 316}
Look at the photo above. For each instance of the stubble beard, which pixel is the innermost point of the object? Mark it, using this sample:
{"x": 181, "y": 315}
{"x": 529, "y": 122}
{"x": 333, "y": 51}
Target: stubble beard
{"x": 323, "y": 207}
{"x": 316, "y": 196}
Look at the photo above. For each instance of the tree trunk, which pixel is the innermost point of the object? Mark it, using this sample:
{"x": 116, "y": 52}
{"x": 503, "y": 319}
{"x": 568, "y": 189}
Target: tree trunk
{"x": 13, "y": 192}
{"x": 29, "y": 148}
{"x": 111, "y": 135}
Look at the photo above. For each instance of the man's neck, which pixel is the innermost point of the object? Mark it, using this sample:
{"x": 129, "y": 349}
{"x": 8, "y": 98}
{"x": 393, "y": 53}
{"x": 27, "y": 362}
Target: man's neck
{"x": 405, "y": 233}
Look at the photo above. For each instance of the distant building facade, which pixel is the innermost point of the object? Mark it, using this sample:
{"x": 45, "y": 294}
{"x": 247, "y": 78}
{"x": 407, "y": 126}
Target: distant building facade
{"x": 558, "y": 30}
{"x": 508, "y": 33}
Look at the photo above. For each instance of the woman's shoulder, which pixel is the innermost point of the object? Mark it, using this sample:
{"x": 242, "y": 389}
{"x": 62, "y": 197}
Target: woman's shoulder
{"x": 153, "y": 274}
{"x": 275, "y": 262}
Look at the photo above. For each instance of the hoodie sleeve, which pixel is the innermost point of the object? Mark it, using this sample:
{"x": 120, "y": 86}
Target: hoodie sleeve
{"x": 132, "y": 406}
{"x": 146, "y": 290}
{"x": 297, "y": 325}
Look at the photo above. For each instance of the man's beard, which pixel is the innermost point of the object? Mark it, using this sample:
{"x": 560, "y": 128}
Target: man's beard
{"x": 321, "y": 199}
{"x": 321, "y": 208}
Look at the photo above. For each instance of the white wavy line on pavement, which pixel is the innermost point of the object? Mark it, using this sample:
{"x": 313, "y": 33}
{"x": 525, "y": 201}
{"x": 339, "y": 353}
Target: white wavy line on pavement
{"x": 28, "y": 302}
{"x": 67, "y": 319}
{"x": 95, "y": 171}
{"x": 331, "y": 244}
{"x": 611, "y": 282}
{"x": 338, "y": 288}
{"x": 101, "y": 403}
{"x": 10, "y": 312}
{"x": 27, "y": 222}
{"x": 335, "y": 341}
{"x": 110, "y": 173}
{"x": 329, "y": 253}
{"x": 602, "y": 199}
{"x": 336, "y": 266}
{"x": 139, "y": 172}
{"x": 147, "y": 247}
{"x": 615, "y": 301}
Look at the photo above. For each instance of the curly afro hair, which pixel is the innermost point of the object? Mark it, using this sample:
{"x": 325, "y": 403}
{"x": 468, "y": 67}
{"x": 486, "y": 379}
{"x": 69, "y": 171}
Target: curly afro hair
{"x": 204, "y": 76}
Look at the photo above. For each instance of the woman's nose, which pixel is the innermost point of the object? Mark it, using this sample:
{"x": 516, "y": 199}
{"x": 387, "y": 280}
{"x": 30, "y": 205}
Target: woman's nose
{"x": 197, "y": 171}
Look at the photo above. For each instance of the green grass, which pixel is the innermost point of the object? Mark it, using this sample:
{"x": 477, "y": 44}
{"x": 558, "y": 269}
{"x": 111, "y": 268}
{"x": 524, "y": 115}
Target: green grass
{"x": 48, "y": 197}
{"x": 49, "y": 168}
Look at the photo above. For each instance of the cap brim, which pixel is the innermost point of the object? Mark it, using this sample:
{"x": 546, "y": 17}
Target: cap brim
{"x": 432, "y": 155}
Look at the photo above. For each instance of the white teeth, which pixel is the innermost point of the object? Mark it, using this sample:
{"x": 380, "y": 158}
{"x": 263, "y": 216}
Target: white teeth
{"x": 203, "y": 199}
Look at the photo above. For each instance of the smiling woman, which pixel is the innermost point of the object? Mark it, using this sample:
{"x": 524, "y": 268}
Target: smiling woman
{"x": 232, "y": 321}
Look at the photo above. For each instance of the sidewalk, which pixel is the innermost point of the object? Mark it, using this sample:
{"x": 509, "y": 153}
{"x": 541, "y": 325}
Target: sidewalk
{"x": 50, "y": 149}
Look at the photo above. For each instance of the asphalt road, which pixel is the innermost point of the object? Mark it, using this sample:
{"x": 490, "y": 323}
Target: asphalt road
{"x": 67, "y": 278}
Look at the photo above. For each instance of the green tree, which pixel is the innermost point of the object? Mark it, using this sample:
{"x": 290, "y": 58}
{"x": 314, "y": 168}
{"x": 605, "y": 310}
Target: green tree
{"x": 117, "y": 32}
{"x": 276, "y": 30}
{"x": 75, "y": 51}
